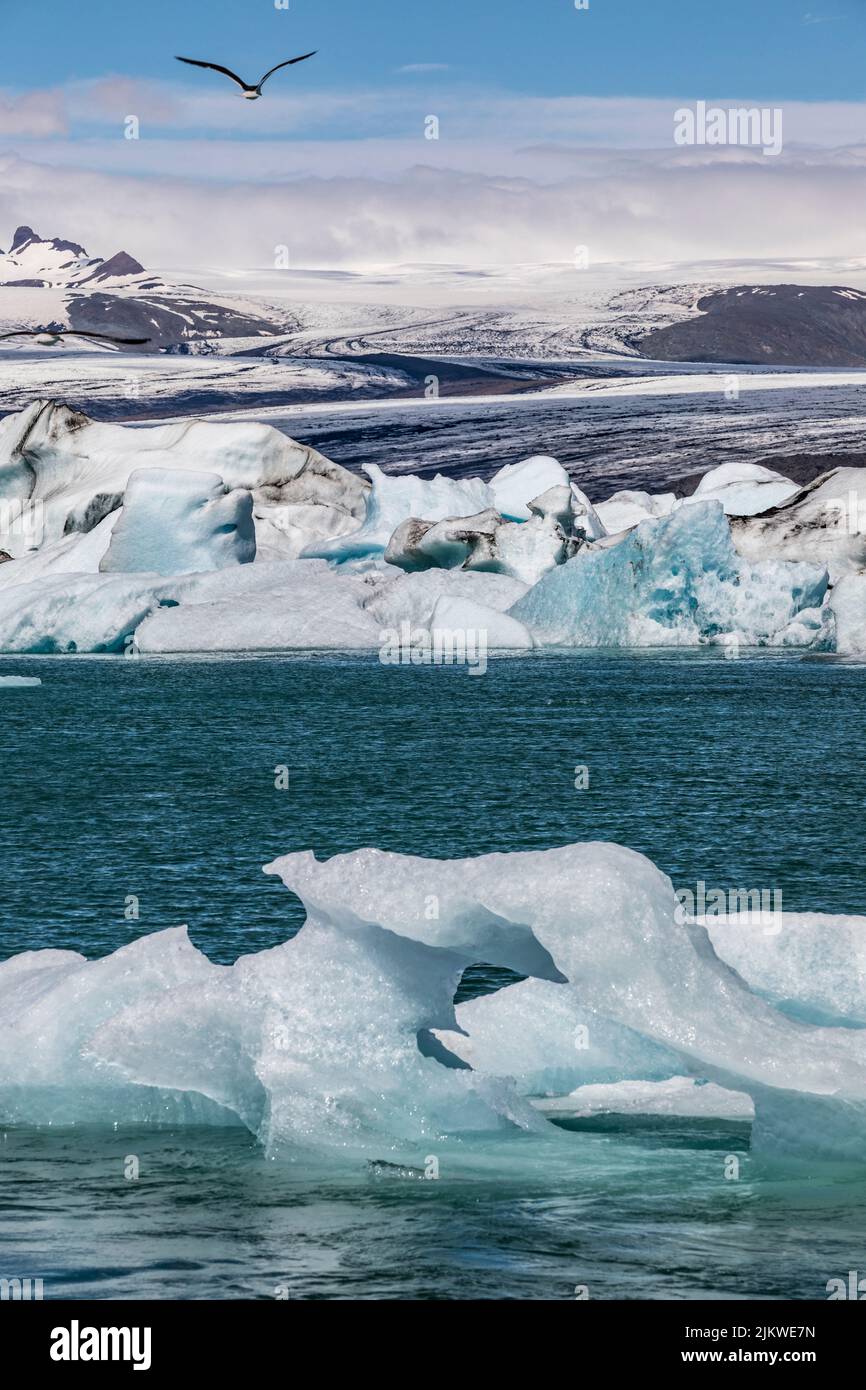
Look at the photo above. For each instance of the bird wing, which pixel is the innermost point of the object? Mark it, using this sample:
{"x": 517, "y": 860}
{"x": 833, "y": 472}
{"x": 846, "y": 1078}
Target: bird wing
{"x": 287, "y": 64}
{"x": 215, "y": 67}
{"x": 21, "y": 333}
{"x": 106, "y": 337}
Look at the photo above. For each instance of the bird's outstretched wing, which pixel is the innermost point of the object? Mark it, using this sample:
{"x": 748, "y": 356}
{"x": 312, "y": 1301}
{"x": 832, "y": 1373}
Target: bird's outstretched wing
{"x": 287, "y": 64}
{"x": 71, "y": 333}
{"x": 104, "y": 337}
{"x": 215, "y": 67}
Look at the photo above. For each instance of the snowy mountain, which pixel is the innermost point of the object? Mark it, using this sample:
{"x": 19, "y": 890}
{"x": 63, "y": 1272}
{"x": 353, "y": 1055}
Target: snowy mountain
{"x": 52, "y": 283}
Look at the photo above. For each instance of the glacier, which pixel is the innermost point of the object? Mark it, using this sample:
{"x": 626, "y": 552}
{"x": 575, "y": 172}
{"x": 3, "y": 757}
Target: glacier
{"x": 344, "y": 1042}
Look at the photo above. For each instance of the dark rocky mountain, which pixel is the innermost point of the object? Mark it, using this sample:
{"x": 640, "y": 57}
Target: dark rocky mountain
{"x": 768, "y": 325}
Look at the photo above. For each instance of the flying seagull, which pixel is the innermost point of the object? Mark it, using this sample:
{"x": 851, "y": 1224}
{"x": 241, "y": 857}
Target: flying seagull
{"x": 50, "y": 337}
{"x": 250, "y": 93}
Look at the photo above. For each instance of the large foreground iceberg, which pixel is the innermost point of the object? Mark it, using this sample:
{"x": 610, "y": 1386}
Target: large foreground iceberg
{"x": 345, "y": 1042}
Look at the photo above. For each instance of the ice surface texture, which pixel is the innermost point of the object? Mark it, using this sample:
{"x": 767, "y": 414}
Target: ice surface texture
{"x": 344, "y": 1041}
{"x": 675, "y": 581}
{"x": 179, "y": 522}
{"x": 125, "y": 525}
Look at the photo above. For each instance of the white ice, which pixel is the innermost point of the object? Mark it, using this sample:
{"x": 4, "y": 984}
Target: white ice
{"x": 344, "y": 1041}
{"x": 175, "y": 521}
{"x": 673, "y": 582}
{"x": 744, "y": 489}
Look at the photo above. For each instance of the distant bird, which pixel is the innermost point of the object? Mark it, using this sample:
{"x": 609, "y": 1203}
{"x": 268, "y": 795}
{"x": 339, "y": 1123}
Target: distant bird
{"x": 49, "y": 337}
{"x": 250, "y": 93}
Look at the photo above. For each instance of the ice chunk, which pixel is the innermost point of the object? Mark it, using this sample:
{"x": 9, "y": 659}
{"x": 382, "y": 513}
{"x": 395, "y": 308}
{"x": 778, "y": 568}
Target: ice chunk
{"x": 412, "y": 597}
{"x": 77, "y": 471}
{"x": 396, "y": 497}
{"x": 179, "y": 522}
{"x": 51, "y": 1005}
{"x": 498, "y": 630}
{"x": 677, "y": 581}
{"x": 515, "y": 485}
{"x": 77, "y": 553}
{"x": 525, "y": 550}
{"x": 847, "y": 603}
{"x": 625, "y": 510}
{"x": 17, "y": 682}
{"x": 604, "y": 918}
{"x": 585, "y": 518}
{"x": 824, "y": 523}
{"x": 681, "y": 1096}
{"x": 290, "y": 607}
{"x": 420, "y": 545}
{"x": 744, "y": 489}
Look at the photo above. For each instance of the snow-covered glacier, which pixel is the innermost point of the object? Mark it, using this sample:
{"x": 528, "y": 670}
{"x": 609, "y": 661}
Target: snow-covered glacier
{"x": 203, "y": 536}
{"x": 345, "y": 1042}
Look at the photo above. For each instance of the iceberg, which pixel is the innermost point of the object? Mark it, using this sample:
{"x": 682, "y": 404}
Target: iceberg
{"x": 498, "y": 631}
{"x": 744, "y": 489}
{"x": 515, "y": 485}
{"x": 287, "y": 607}
{"x": 676, "y": 581}
{"x": 77, "y": 471}
{"x": 824, "y": 523}
{"x": 179, "y": 522}
{"x": 624, "y": 510}
{"x": 344, "y": 1041}
{"x": 393, "y": 499}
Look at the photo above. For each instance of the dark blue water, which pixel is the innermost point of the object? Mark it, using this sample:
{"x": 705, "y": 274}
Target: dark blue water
{"x": 155, "y": 778}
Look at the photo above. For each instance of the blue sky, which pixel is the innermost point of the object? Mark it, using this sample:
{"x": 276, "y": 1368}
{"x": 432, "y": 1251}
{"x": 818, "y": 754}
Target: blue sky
{"x": 555, "y": 129}
{"x": 766, "y": 50}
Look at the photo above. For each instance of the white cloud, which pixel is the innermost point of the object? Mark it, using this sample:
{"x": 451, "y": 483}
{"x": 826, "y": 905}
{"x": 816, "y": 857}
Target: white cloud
{"x": 640, "y": 207}
{"x": 35, "y": 113}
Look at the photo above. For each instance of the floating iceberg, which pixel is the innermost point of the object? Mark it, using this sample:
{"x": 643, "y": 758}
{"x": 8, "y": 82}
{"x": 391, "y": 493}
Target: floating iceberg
{"x": 345, "y": 1041}
{"x": 677, "y": 581}
{"x": 77, "y": 471}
